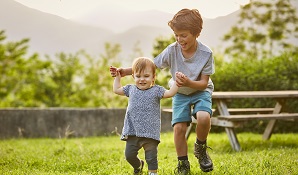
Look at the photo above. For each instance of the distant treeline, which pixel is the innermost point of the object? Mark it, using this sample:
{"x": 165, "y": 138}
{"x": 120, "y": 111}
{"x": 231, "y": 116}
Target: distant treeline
{"x": 32, "y": 81}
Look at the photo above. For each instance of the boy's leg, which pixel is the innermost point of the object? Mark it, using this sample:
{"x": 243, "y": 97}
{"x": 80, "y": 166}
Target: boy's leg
{"x": 203, "y": 112}
{"x": 180, "y": 121}
{"x": 203, "y": 125}
{"x": 180, "y": 141}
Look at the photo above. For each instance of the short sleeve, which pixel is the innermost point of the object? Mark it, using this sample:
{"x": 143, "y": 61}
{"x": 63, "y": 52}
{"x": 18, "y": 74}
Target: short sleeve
{"x": 162, "y": 60}
{"x": 160, "y": 91}
{"x": 126, "y": 89}
{"x": 209, "y": 67}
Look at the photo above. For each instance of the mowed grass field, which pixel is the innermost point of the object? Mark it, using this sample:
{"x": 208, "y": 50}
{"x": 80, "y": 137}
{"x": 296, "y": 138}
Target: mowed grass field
{"x": 105, "y": 155}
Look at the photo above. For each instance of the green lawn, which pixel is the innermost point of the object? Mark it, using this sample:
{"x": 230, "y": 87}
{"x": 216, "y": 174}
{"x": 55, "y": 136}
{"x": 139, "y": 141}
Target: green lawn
{"x": 105, "y": 155}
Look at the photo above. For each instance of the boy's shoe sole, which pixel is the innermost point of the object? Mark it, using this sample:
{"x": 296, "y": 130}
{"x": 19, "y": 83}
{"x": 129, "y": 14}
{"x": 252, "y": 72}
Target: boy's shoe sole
{"x": 206, "y": 169}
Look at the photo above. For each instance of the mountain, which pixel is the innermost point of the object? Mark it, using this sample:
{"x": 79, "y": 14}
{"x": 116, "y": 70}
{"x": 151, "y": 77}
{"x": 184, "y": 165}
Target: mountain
{"x": 50, "y": 34}
{"x": 145, "y": 27}
{"x": 121, "y": 21}
{"x": 132, "y": 26}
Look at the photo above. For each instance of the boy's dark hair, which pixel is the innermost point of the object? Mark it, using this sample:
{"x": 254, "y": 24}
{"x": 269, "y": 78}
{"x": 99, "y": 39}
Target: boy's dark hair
{"x": 187, "y": 19}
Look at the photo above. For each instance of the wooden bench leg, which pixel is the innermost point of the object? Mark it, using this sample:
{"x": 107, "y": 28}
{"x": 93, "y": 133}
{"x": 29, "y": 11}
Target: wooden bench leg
{"x": 233, "y": 139}
{"x": 223, "y": 110}
{"x": 270, "y": 126}
{"x": 269, "y": 129}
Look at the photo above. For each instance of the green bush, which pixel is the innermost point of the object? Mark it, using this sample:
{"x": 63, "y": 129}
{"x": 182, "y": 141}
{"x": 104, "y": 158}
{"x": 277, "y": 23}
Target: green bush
{"x": 267, "y": 74}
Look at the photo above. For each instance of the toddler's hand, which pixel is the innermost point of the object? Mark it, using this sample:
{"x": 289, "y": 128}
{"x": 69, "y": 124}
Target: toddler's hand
{"x": 180, "y": 75}
{"x": 118, "y": 74}
{"x": 181, "y": 79}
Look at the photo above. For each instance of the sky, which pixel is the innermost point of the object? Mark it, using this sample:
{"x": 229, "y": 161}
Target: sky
{"x": 75, "y": 8}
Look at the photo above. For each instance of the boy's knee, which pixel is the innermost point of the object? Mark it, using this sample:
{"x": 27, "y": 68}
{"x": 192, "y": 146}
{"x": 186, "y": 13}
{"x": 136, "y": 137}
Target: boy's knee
{"x": 203, "y": 116}
{"x": 180, "y": 128}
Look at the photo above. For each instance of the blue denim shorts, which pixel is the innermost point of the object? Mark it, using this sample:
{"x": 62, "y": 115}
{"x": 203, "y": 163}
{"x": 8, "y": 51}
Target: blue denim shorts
{"x": 186, "y": 105}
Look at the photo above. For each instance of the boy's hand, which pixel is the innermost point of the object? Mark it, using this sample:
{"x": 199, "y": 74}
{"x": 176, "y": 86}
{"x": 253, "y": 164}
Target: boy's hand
{"x": 114, "y": 70}
{"x": 181, "y": 79}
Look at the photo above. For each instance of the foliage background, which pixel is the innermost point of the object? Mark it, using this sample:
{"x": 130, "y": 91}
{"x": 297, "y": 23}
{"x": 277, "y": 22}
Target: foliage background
{"x": 250, "y": 63}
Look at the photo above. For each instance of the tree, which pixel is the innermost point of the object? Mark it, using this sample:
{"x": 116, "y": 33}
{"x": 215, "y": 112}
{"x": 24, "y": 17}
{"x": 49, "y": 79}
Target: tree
{"x": 19, "y": 75}
{"x": 263, "y": 29}
{"x": 98, "y": 81}
{"x": 69, "y": 80}
{"x": 61, "y": 83}
{"x": 161, "y": 43}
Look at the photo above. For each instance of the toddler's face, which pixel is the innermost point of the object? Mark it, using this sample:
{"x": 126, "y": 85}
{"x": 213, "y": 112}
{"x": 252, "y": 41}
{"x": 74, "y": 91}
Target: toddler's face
{"x": 145, "y": 79}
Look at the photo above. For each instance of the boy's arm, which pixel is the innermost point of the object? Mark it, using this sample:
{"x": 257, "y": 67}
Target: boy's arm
{"x": 199, "y": 84}
{"x": 123, "y": 71}
{"x": 171, "y": 92}
{"x": 117, "y": 87}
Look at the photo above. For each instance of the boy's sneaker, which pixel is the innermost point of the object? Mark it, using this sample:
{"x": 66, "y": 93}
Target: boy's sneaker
{"x": 183, "y": 167}
{"x": 140, "y": 169}
{"x": 204, "y": 160}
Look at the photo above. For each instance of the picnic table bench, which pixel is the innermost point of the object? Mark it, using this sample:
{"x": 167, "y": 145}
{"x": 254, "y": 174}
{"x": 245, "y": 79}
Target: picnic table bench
{"x": 230, "y": 118}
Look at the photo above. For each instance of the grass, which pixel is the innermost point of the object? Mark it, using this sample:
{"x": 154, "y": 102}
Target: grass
{"x": 105, "y": 155}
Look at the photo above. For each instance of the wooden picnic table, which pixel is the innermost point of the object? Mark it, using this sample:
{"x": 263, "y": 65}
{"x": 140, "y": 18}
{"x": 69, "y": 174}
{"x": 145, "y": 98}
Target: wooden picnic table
{"x": 229, "y": 118}
{"x": 281, "y": 97}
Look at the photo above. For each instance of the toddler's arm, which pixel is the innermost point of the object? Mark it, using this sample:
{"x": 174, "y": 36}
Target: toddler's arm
{"x": 172, "y": 91}
{"x": 117, "y": 87}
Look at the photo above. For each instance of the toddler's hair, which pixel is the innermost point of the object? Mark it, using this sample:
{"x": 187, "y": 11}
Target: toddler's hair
{"x": 187, "y": 19}
{"x": 141, "y": 63}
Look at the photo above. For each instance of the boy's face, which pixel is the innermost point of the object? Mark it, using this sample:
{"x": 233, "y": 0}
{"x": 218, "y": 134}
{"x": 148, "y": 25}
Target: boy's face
{"x": 186, "y": 40}
{"x": 144, "y": 79}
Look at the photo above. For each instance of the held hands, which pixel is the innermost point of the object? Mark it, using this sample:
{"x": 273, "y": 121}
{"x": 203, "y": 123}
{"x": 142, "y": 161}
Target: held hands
{"x": 116, "y": 71}
{"x": 118, "y": 74}
{"x": 181, "y": 79}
